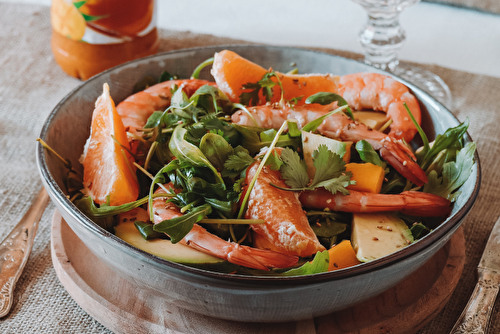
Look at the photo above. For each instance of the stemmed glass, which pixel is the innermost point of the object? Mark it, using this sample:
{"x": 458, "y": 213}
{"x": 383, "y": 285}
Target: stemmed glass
{"x": 382, "y": 37}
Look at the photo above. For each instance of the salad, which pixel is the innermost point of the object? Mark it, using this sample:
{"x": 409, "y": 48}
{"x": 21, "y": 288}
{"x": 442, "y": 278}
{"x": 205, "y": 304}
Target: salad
{"x": 268, "y": 173}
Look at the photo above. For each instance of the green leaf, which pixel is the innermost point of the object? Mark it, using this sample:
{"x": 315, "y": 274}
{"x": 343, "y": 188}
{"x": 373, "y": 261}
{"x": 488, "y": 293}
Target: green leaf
{"x": 313, "y": 125}
{"x": 449, "y": 139}
{"x": 295, "y": 172}
{"x": 239, "y": 161}
{"x": 328, "y": 164}
{"x": 166, "y": 76}
{"x": 454, "y": 174}
{"x": 328, "y": 229}
{"x": 216, "y": 149}
{"x": 318, "y": 265}
{"x": 266, "y": 84}
{"x": 79, "y": 4}
{"x": 324, "y": 98}
{"x": 418, "y": 230}
{"x": 336, "y": 184}
{"x": 89, "y": 18}
{"x": 368, "y": 154}
{"x": 147, "y": 232}
{"x": 274, "y": 161}
{"x": 185, "y": 151}
{"x": 177, "y": 228}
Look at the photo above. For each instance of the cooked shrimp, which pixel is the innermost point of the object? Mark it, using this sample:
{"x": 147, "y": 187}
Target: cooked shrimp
{"x": 286, "y": 229}
{"x": 338, "y": 126}
{"x": 206, "y": 242}
{"x": 412, "y": 203}
{"x": 379, "y": 92}
{"x": 136, "y": 109}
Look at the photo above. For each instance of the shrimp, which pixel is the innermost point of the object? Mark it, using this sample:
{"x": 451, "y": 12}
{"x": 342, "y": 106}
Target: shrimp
{"x": 382, "y": 93}
{"x": 206, "y": 242}
{"x": 413, "y": 203}
{"x": 136, "y": 109}
{"x": 286, "y": 229}
{"x": 337, "y": 126}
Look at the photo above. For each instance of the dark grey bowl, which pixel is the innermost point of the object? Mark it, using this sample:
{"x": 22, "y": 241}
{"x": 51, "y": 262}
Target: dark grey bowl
{"x": 234, "y": 297}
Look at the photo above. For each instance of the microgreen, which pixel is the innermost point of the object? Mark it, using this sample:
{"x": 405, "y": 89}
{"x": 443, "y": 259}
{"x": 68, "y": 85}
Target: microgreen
{"x": 266, "y": 85}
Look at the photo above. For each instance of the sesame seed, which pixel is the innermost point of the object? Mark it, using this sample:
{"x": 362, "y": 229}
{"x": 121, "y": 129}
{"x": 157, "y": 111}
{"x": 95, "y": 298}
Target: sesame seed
{"x": 375, "y": 239}
{"x": 329, "y": 200}
{"x": 379, "y": 226}
{"x": 405, "y": 163}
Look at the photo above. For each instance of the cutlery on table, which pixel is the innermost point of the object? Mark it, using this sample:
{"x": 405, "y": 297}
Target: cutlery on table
{"x": 476, "y": 316}
{"x": 16, "y": 248}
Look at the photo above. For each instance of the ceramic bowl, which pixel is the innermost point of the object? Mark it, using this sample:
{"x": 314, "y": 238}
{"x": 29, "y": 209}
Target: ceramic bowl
{"x": 234, "y": 297}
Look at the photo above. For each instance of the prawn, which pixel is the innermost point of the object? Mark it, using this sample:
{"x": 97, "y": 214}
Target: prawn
{"x": 337, "y": 126}
{"x": 206, "y": 242}
{"x": 137, "y": 108}
{"x": 286, "y": 229}
{"x": 379, "y": 92}
{"x": 413, "y": 203}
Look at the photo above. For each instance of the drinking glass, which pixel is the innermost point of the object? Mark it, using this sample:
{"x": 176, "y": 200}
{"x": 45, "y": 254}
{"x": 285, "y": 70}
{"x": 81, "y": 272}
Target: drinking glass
{"x": 382, "y": 37}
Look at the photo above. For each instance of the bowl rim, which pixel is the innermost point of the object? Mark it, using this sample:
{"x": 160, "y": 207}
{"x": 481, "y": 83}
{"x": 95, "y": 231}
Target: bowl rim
{"x": 452, "y": 222}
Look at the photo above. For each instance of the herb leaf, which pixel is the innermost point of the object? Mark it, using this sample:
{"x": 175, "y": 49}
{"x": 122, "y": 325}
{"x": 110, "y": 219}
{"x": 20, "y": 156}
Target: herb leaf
{"x": 318, "y": 265}
{"x": 295, "y": 172}
{"x": 454, "y": 174}
{"x": 324, "y": 98}
{"x": 177, "y": 228}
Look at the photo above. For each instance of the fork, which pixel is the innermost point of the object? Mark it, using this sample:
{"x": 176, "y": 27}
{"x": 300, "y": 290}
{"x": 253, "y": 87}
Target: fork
{"x": 16, "y": 248}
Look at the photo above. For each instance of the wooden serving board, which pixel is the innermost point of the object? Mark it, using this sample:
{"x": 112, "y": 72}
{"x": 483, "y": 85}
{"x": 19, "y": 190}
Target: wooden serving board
{"x": 124, "y": 307}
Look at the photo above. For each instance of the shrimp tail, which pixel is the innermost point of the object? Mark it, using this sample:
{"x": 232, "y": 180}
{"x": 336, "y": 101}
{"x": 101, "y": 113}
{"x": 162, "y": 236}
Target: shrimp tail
{"x": 206, "y": 242}
{"x": 412, "y": 203}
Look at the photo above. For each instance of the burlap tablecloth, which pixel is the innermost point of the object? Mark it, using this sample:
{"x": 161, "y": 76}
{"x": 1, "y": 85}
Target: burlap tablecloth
{"x": 30, "y": 86}
{"x": 488, "y": 6}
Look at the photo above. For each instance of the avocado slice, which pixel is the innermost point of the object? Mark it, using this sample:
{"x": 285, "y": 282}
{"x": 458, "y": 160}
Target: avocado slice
{"x": 310, "y": 143}
{"x": 375, "y": 235}
{"x": 167, "y": 250}
{"x": 373, "y": 119}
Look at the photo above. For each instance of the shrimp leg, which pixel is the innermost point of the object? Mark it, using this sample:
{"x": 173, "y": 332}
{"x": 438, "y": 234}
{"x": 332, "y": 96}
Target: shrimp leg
{"x": 412, "y": 203}
{"x": 206, "y": 242}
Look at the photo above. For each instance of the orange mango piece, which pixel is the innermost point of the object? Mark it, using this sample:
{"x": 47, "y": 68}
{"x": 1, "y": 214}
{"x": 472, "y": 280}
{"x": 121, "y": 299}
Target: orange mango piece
{"x": 342, "y": 255}
{"x": 368, "y": 177}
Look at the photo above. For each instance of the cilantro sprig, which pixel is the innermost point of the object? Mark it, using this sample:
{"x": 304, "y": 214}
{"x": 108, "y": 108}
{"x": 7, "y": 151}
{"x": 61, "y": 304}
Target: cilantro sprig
{"x": 330, "y": 171}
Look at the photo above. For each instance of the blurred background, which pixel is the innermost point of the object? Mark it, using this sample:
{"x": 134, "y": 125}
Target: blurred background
{"x": 450, "y": 36}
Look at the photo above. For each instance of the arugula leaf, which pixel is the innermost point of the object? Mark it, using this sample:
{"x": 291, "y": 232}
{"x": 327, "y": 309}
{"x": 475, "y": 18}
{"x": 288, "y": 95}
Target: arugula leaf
{"x": 325, "y": 98}
{"x": 313, "y": 125}
{"x": 418, "y": 230}
{"x": 454, "y": 174}
{"x": 266, "y": 84}
{"x": 318, "y": 265}
{"x": 146, "y": 230}
{"x": 450, "y": 138}
{"x": 368, "y": 154}
{"x": 177, "y": 228}
{"x": 295, "y": 172}
{"x": 216, "y": 149}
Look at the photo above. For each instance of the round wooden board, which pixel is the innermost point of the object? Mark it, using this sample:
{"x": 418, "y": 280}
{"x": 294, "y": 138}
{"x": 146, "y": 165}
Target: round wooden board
{"x": 124, "y": 307}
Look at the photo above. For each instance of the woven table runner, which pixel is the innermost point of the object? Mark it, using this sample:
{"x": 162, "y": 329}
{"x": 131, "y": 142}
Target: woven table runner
{"x": 488, "y": 6}
{"x": 31, "y": 84}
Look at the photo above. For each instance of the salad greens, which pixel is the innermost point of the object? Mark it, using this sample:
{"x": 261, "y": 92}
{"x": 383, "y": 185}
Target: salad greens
{"x": 193, "y": 145}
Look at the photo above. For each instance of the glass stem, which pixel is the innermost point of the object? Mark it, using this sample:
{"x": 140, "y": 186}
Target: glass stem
{"x": 382, "y": 37}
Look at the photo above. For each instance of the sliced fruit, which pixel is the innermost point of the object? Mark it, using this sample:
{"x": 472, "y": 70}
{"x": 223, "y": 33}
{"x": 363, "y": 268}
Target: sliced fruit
{"x": 368, "y": 177}
{"x": 107, "y": 165}
{"x": 310, "y": 143}
{"x": 342, "y": 255}
{"x": 67, "y": 20}
{"x": 373, "y": 119}
{"x": 231, "y": 72}
{"x": 375, "y": 235}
